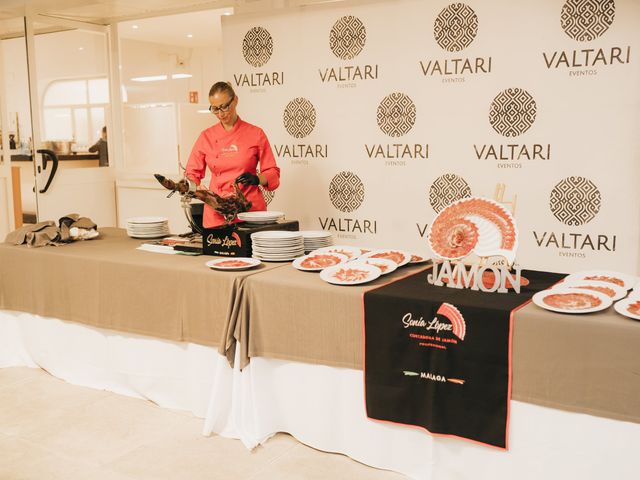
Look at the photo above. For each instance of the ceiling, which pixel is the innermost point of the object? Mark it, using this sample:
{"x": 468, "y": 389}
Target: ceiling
{"x": 105, "y": 12}
{"x": 125, "y": 12}
{"x": 109, "y": 11}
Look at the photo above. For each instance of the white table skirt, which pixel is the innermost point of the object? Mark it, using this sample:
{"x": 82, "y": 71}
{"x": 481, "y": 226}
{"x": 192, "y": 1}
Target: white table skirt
{"x": 321, "y": 406}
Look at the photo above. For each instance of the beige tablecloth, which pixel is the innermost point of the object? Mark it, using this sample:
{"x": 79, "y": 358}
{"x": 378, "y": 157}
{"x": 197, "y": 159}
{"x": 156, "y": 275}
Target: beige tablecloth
{"x": 585, "y": 363}
{"x": 294, "y": 315}
{"x": 107, "y": 283}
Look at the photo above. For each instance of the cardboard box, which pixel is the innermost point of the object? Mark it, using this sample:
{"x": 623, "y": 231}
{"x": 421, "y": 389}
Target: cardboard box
{"x": 235, "y": 240}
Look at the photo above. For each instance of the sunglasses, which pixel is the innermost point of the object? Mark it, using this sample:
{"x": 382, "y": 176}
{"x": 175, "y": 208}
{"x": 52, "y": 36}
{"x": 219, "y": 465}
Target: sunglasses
{"x": 222, "y": 108}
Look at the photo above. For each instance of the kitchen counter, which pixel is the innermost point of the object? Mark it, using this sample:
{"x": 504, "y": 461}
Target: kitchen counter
{"x": 62, "y": 158}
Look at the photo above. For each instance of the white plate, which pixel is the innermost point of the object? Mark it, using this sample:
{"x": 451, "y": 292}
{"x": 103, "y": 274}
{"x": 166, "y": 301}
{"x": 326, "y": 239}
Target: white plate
{"x": 622, "y": 305}
{"x": 278, "y": 246}
{"x": 265, "y": 221}
{"x": 132, "y": 233}
{"x": 540, "y": 297}
{"x": 271, "y": 235}
{"x": 279, "y": 243}
{"x": 398, "y": 256}
{"x": 315, "y": 234}
{"x": 489, "y": 219}
{"x": 351, "y": 252}
{"x": 417, "y": 258}
{"x": 260, "y": 217}
{"x": 279, "y": 253}
{"x": 228, "y": 263}
{"x": 261, "y": 214}
{"x": 333, "y": 258}
{"x": 617, "y": 291}
{"x": 628, "y": 280}
{"x": 351, "y": 273}
{"x": 149, "y": 236}
{"x": 277, "y": 259}
{"x": 385, "y": 265}
{"x": 143, "y": 220}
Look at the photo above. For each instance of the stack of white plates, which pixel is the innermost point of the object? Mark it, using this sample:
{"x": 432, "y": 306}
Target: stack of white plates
{"x": 314, "y": 239}
{"x": 277, "y": 245}
{"x": 261, "y": 217}
{"x": 148, "y": 227}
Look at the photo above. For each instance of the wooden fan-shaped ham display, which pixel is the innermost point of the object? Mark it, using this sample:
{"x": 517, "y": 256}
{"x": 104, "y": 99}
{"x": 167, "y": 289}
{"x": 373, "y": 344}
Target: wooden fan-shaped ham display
{"x": 474, "y": 225}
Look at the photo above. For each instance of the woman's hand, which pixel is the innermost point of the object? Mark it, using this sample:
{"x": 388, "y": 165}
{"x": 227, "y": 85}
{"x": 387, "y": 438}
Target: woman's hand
{"x": 248, "y": 179}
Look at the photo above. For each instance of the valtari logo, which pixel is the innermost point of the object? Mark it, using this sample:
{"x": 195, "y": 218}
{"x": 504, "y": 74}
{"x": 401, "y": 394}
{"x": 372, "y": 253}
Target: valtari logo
{"x": 299, "y": 117}
{"x": 257, "y": 46}
{"x": 455, "y": 27}
{"x": 347, "y": 37}
{"x": 346, "y": 40}
{"x": 586, "y": 20}
{"x": 575, "y": 201}
{"x": 446, "y": 189}
{"x": 512, "y": 112}
{"x": 396, "y": 114}
{"x": 346, "y": 191}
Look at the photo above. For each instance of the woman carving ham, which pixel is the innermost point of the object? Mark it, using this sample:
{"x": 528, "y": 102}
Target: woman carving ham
{"x": 233, "y": 150}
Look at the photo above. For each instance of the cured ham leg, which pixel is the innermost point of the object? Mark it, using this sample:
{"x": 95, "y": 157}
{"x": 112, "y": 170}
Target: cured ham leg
{"x": 228, "y": 206}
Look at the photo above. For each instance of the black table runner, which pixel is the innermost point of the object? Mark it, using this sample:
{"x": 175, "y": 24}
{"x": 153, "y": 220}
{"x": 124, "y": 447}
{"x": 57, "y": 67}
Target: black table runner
{"x": 440, "y": 358}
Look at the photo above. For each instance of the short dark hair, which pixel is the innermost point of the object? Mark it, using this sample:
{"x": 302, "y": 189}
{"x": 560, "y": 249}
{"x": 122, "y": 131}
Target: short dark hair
{"x": 222, "y": 87}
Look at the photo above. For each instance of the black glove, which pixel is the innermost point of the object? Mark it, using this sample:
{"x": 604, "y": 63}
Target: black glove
{"x": 248, "y": 179}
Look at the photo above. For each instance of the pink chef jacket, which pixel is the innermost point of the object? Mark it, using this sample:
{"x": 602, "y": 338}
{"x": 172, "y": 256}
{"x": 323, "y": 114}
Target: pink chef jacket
{"x": 229, "y": 154}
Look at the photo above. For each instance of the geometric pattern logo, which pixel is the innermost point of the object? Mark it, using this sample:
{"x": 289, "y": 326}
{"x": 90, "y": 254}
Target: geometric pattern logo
{"x": 347, "y": 37}
{"x": 575, "y": 201}
{"x": 586, "y": 20}
{"x": 257, "y": 46}
{"x": 396, "y": 114}
{"x": 512, "y": 112}
{"x": 447, "y": 189}
{"x": 346, "y": 191}
{"x": 455, "y": 27}
{"x": 267, "y": 195}
{"x": 299, "y": 117}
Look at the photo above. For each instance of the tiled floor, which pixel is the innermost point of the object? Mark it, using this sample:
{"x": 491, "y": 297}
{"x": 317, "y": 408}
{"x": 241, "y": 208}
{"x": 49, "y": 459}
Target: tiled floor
{"x": 52, "y": 430}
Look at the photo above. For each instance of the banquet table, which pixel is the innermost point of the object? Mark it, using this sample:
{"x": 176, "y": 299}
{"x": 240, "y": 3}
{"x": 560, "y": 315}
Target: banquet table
{"x": 582, "y": 363}
{"x": 164, "y": 327}
{"x": 108, "y": 283}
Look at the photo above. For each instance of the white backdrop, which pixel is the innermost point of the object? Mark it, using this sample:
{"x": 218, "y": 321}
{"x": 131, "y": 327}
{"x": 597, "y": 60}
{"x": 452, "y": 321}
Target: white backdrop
{"x": 381, "y": 114}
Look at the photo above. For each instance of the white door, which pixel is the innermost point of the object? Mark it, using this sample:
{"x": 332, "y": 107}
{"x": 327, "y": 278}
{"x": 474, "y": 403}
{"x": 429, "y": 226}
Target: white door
{"x": 71, "y": 97}
{"x": 7, "y": 221}
{"x": 17, "y": 195}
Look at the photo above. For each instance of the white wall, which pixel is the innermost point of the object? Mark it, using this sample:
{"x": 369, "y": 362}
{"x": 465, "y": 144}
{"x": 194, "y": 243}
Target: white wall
{"x": 578, "y": 203}
{"x": 140, "y": 59}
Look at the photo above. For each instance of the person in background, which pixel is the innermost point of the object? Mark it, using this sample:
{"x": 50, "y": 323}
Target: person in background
{"x": 101, "y": 147}
{"x": 232, "y": 150}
